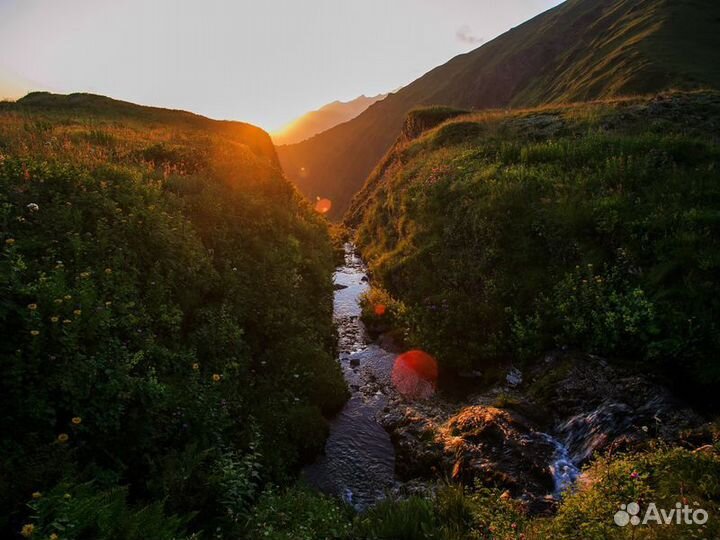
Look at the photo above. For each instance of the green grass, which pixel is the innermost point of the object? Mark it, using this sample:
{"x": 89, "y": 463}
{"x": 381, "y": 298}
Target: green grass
{"x": 166, "y": 317}
{"x": 578, "y": 51}
{"x": 592, "y": 226}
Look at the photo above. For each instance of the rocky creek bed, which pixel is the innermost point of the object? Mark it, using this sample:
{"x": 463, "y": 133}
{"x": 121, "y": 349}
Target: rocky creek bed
{"x": 528, "y": 434}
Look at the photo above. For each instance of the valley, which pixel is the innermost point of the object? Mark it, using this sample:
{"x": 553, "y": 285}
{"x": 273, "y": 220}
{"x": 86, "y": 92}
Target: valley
{"x": 483, "y": 306}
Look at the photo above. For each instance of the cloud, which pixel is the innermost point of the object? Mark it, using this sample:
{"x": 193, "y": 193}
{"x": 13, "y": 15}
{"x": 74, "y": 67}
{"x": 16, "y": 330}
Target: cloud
{"x": 464, "y": 34}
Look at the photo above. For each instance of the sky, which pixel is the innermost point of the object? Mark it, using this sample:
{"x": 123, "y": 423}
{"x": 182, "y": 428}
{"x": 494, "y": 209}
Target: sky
{"x": 263, "y": 61}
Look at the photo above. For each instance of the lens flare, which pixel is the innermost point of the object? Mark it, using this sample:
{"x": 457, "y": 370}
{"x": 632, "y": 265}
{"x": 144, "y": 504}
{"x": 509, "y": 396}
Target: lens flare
{"x": 415, "y": 374}
{"x": 323, "y": 206}
{"x": 380, "y": 310}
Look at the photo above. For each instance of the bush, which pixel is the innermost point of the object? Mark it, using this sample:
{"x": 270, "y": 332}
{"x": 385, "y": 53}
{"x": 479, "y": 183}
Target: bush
{"x": 166, "y": 316}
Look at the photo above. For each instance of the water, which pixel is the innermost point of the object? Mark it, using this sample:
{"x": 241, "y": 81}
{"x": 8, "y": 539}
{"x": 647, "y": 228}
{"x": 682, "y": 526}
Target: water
{"x": 358, "y": 464}
{"x": 563, "y": 469}
{"x": 359, "y": 460}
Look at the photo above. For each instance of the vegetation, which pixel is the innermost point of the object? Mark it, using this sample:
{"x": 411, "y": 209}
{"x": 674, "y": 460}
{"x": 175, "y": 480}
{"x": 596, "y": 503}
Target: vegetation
{"x": 664, "y": 476}
{"x": 580, "y": 50}
{"x": 593, "y": 226}
{"x": 166, "y": 317}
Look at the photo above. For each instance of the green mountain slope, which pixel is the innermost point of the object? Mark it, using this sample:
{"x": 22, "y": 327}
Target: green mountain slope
{"x": 166, "y": 313}
{"x": 580, "y": 50}
{"x": 590, "y": 226}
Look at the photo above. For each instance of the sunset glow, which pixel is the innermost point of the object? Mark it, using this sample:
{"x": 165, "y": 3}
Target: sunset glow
{"x": 261, "y": 62}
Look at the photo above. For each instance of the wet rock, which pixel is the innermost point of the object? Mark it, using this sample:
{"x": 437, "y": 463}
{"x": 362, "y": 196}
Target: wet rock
{"x": 476, "y": 443}
{"x": 339, "y": 286}
{"x": 598, "y": 406}
{"x": 514, "y": 378}
{"x": 354, "y": 362}
{"x": 498, "y": 448}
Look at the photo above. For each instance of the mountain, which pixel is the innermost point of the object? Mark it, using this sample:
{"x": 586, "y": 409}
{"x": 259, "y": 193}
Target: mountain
{"x": 579, "y": 50}
{"x": 322, "y": 119}
{"x": 593, "y": 227}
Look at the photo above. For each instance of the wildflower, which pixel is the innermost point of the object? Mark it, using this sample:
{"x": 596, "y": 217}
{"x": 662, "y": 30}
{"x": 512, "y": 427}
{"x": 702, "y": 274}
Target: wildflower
{"x": 10, "y": 241}
{"x": 36, "y": 495}
{"x": 216, "y": 377}
{"x": 108, "y": 271}
{"x": 66, "y": 321}
{"x": 63, "y": 438}
{"x": 54, "y": 536}
{"x": 108, "y": 303}
{"x": 67, "y": 296}
{"x": 645, "y": 429}
{"x": 76, "y": 420}
{"x": 34, "y": 332}
{"x": 85, "y": 275}
{"x": 54, "y": 319}
{"x": 67, "y": 496}
{"x": 58, "y": 300}
{"x": 196, "y": 366}
{"x": 27, "y": 530}
{"x": 32, "y": 307}
{"x": 634, "y": 475}
{"x": 77, "y": 312}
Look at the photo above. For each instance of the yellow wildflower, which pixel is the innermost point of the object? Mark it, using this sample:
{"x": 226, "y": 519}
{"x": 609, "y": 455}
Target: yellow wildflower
{"x": 54, "y": 536}
{"x": 54, "y": 319}
{"x": 85, "y": 275}
{"x": 67, "y": 496}
{"x": 66, "y": 321}
{"x": 196, "y": 366}
{"x": 36, "y": 495}
{"x": 108, "y": 303}
{"x": 27, "y": 530}
{"x": 34, "y": 332}
{"x": 108, "y": 270}
{"x": 77, "y": 312}
{"x": 76, "y": 420}
{"x": 58, "y": 300}
{"x": 216, "y": 377}
{"x": 67, "y": 297}
{"x": 32, "y": 307}
{"x": 63, "y": 438}
{"x": 10, "y": 241}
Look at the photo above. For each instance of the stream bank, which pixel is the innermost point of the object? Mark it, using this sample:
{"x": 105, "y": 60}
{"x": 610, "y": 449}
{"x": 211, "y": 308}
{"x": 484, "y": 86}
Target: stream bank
{"x": 527, "y": 435}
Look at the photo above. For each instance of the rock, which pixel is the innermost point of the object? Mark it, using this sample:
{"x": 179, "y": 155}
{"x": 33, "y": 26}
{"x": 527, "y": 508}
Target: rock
{"x": 498, "y": 448}
{"x": 598, "y": 406}
{"x": 364, "y": 279}
{"x": 354, "y": 362}
{"x": 514, "y": 378}
{"x": 339, "y": 286}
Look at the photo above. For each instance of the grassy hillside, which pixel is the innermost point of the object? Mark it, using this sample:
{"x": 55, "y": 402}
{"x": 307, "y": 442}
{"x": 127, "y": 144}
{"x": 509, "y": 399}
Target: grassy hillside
{"x": 324, "y": 118}
{"x": 580, "y": 50}
{"x": 593, "y": 226}
{"x": 166, "y": 319}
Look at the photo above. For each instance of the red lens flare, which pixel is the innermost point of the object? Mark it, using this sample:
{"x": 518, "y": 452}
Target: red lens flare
{"x": 380, "y": 310}
{"x": 415, "y": 374}
{"x": 323, "y": 206}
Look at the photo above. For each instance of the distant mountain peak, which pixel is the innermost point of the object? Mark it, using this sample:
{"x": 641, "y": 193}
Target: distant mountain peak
{"x": 324, "y": 118}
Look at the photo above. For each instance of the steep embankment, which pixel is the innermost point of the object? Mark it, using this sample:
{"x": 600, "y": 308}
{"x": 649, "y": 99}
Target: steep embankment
{"x": 580, "y": 50}
{"x": 591, "y": 226}
{"x": 166, "y": 320}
